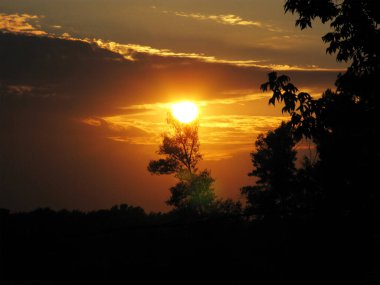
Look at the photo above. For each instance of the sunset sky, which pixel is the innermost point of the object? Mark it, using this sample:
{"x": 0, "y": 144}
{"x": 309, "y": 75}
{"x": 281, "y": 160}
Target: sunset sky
{"x": 85, "y": 87}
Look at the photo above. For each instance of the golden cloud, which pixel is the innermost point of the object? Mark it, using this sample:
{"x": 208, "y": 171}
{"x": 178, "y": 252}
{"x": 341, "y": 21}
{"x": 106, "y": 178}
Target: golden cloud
{"x": 20, "y": 23}
{"x": 226, "y": 19}
{"x": 229, "y": 19}
{"x": 129, "y": 52}
{"x": 234, "y": 132}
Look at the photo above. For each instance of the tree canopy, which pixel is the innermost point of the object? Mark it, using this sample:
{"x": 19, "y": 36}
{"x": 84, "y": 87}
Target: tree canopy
{"x": 342, "y": 122}
{"x": 274, "y": 165}
{"x": 355, "y": 28}
{"x": 180, "y": 149}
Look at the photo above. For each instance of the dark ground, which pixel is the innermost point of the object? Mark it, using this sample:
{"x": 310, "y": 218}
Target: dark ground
{"x": 129, "y": 244}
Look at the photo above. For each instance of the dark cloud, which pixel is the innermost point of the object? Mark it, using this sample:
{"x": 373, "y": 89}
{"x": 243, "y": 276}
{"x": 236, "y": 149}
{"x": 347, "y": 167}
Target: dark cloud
{"x": 83, "y": 77}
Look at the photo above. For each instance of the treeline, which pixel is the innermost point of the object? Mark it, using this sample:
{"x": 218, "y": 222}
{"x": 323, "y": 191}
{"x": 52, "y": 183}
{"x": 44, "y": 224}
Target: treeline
{"x": 117, "y": 217}
{"x": 125, "y": 242}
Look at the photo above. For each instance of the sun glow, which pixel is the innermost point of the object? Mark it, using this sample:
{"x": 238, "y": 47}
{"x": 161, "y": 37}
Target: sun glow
{"x": 185, "y": 112}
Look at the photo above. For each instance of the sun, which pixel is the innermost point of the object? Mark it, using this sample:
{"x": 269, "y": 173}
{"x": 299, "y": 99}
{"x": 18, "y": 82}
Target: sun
{"x": 185, "y": 112}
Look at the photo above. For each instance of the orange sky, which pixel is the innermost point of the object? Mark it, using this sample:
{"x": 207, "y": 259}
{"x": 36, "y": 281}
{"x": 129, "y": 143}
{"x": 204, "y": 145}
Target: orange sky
{"x": 86, "y": 103}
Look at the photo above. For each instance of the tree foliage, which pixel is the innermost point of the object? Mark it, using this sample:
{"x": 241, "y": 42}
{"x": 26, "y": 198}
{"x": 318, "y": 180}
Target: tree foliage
{"x": 274, "y": 165}
{"x": 193, "y": 193}
{"x": 355, "y": 28}
{"x": 342, "y": 123}
{"x": 180, "y": 149}
{"x": 301, "y": 106}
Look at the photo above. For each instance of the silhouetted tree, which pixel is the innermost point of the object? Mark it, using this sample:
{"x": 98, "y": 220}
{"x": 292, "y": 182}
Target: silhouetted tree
{"x": 341, "y": 122}
{"x": 229, "y": 208}
{"x": 274, "y": 165}
{"x": 194, "y": 192}
{"x": 307, "y": 193}
{"x": 180, "y": 148}
{"x": 354, "y": 25}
